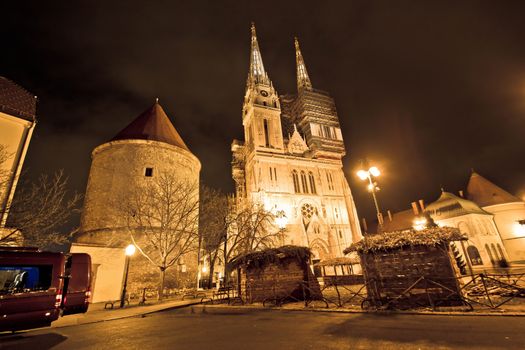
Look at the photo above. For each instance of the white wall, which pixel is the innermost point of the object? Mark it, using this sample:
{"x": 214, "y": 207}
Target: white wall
{"x": 506, "y": 216}
{"x": 110, "y": 273}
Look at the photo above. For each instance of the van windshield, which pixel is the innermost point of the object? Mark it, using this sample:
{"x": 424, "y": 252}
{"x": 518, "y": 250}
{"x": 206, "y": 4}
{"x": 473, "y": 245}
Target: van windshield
{"x": 24, "y": 278}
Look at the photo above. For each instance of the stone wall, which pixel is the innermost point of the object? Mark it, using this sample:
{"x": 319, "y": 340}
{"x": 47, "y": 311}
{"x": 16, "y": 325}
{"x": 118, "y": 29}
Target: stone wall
{"x": 117, "y": 168}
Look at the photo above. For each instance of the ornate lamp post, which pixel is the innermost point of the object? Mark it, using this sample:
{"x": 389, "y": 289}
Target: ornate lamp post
{"x": 372, "y": 187}
{"x": 130, "y": 250}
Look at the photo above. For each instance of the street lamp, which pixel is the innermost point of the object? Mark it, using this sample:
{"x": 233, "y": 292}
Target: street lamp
{"x": 372, "y": 187}
{"x": 280, "y": 219}
{"x": 130, "y": 250}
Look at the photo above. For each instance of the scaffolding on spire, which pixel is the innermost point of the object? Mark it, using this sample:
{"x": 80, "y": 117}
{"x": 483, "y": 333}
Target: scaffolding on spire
{"x": 303, "y": 80}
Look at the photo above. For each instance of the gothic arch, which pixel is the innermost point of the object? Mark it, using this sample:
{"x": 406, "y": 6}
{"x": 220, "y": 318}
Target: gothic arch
{"x": 474, "y": 256}
{"x": 319, "y": 249}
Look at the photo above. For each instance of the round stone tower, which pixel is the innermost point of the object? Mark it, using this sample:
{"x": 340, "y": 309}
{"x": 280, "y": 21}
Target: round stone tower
{"x": 147, "y": 147}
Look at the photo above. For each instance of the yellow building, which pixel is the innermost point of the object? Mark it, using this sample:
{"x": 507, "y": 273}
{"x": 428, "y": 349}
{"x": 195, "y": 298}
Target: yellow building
{"x": 291, "y": 160}
{"x": 17, "y": 122}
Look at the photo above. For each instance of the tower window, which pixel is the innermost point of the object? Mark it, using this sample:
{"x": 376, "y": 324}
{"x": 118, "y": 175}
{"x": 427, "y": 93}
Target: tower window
{"x": 266, "y": 133}
{"x": 148, "y": 172}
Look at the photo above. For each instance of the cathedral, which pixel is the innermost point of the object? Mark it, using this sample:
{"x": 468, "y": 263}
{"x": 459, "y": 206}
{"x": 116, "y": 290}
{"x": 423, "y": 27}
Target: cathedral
{"x": 291, "y": 160}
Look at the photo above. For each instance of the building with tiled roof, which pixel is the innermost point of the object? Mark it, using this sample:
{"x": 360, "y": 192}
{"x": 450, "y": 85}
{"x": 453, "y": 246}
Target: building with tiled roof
{"x": 145, "y": 150}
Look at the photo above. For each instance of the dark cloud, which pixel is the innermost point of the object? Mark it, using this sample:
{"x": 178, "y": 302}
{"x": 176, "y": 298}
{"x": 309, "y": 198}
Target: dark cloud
{"x": 427, "y": 90}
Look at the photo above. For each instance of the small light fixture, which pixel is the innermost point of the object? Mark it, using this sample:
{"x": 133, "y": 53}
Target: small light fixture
{"x": 420, "y": 223}
{"x": 130, "y": 250}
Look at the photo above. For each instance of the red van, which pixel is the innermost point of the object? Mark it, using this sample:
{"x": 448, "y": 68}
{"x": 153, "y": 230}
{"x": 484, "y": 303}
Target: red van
{"x": 30, "y": 288}
{"x": 77, "y": 284}
{"x": 36, "y": 286}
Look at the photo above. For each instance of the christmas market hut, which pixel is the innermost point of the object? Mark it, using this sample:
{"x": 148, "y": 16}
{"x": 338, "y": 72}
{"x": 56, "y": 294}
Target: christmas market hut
{"x": 410, "y": 268}
{"x": 282, "y": 273}
{"x": 345, "y": 270}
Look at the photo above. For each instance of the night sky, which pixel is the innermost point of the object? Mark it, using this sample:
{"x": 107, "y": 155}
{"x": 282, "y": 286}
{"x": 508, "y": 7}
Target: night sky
{"x": 426, "y": 90}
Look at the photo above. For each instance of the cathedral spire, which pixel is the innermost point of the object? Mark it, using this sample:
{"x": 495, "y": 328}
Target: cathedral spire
{"x": 257, "y": 73}
{"x": 303, "y": 80}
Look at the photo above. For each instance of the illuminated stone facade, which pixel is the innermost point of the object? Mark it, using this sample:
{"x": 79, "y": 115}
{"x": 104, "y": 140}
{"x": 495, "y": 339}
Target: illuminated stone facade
{"x": 291, "y": 160}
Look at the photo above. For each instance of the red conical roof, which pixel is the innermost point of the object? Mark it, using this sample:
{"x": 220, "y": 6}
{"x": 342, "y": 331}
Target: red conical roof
{"x": 484, "y": 193}
{"x": 152, "y": 124}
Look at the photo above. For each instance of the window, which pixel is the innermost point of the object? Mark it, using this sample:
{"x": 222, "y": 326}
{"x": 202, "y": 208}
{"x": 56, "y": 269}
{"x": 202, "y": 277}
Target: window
{"x": 25, "y": 278}
{"x": 303, "y": 182}
{"x": 312, "y": 182}
{"x": 330, "y": 180}
{"x": 487, "y": 248}
{"x": 495, "y": 253}
{"x": 340, "y": 234}
{"x": 336, "y": 213}
{"x": 275, "y": 174}
{"x": 295, "y": 177}
{"x": 328, "y": 132}
{"x": 271, "y": 173}
{"x": 266, "y": 133}
{"x": 148, "y": 172}
{"x": 473, "y": 254}
{"x": 501, "y": 252}
{"x": 308, "y": 210}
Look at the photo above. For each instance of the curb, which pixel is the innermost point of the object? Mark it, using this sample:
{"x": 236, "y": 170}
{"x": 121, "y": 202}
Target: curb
{"x": 145, "y": 312}
{"x": 400, "y": 312}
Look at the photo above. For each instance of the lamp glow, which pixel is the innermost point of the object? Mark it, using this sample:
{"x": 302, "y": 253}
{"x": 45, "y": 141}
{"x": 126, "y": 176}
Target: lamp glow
{"x": 130, "y": 250}
{"x": 374, "y": 171}
{"x": 362, "y": 174}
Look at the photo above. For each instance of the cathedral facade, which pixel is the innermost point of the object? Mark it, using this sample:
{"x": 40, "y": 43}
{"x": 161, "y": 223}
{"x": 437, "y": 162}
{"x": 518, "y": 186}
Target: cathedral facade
{"x": 291, "y": 160}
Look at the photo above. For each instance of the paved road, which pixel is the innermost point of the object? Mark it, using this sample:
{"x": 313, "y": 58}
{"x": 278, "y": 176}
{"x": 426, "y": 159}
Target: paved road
{"x": 220, "y": 328}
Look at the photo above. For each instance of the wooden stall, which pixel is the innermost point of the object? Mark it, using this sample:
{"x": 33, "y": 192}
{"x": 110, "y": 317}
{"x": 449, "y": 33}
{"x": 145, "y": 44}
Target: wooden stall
{"x": 282, "y": 272}
{"x": 413, "y": 268}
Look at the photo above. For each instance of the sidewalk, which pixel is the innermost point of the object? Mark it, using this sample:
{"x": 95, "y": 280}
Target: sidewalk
{"x": 97, "y": 313}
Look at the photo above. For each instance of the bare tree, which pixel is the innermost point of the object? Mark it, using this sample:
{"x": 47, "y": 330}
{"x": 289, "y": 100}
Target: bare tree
{"x": 213, "y": 225}
{"x": 162, "y": 219}
{"x": 250, "y": 228}
{"x": 39, "y": 210}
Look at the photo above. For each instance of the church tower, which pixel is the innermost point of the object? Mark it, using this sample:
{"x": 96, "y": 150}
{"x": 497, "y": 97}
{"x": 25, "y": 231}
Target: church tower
{"x": 290, "y": 160}
{"x": 261, "y": 109}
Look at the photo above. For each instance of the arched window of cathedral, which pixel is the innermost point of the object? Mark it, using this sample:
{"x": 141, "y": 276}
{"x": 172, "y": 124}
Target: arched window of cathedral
{"x": 275, "y": 104}
{"x": 295, "y": 177}
{"x": 473, "y": 254}
{"x": 308, "y": 210}
{"x": 312, "y": 182}
{"x": 317, "y": 229}
{"x": 148, "y": 172}
{"x": 492, "y": 261}
{"x": 303, "y": 182}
